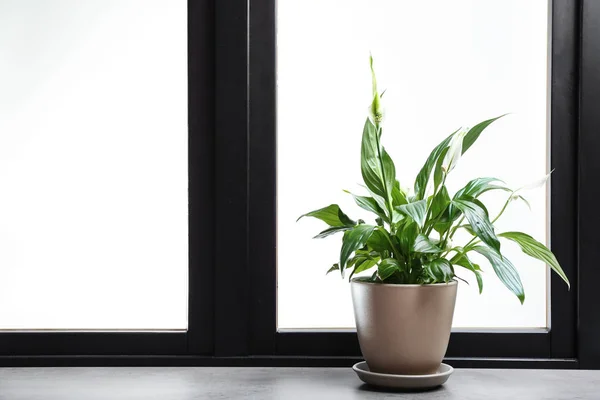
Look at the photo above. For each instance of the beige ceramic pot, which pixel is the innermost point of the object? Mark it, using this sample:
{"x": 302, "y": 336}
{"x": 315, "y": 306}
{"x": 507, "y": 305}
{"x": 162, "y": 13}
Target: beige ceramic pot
{"x": 403, "y": 329}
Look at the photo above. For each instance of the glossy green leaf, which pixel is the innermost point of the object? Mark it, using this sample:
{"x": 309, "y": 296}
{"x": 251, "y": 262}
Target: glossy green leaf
{"x": 478, "y": 186}
{"x": 438, "y": 173}
{"x": 425, "y": 172}
{"x": 440, "y": 202}
{"x": 335, "y": 267}
{"x": 417, "y": 211}
{"x": 397, "y": 216}
{"x": 468, "y": 229}
{"x": 474, "y": 189}
{"x": 387, "y": 268}
{"x": 369, "y": 204}
{"x": 423, "y": 244}
{"x": 474, "y": 133}
{"x": 537, "y": 250}
{"x": 377, "y": 168}
{"x": 505, "y": 271}
{"x": 438, "y": 270}
{"x": 353, "y": 240}
{"x": 440, "y": 210}
{"x": 398, "y": 197}
{"x": 364, "y": 264}
{"x": 332, "y": 215}
{"x": 478, "y": 218}
{"x": 407, "y": 234}
{"x": 331, "y": 231}
{"x": 464, "y": 261}
{"x": 379, "y": 242}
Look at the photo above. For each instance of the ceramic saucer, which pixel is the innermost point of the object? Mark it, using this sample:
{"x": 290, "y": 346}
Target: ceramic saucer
{"x": 410, "y": 382}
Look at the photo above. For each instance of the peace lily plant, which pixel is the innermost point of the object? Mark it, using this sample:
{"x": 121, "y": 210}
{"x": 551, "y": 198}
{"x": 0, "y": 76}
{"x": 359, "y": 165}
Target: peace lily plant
{"x": 412, "y": 238}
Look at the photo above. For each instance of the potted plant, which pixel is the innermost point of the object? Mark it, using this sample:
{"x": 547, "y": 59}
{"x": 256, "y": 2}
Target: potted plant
{"x": 404, "y": 309}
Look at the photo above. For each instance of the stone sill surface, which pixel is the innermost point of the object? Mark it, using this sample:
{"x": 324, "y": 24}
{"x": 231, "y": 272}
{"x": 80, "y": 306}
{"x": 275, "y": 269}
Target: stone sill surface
{"x": 283, "y": 383}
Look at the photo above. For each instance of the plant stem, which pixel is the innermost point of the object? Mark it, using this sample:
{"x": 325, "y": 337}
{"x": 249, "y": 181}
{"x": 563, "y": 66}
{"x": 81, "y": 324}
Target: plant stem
{"x": 387, "y": 236}
{"x": 470, "y": 242}
{"x": 503, "y": 208}
{"x": 450, "y": 232}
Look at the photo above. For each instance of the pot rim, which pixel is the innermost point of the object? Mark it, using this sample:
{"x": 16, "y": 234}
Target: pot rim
{"x": 451, "y": 283}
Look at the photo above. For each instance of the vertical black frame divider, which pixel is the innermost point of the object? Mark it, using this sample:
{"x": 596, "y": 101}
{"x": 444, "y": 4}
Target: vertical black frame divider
{"x": 553, "y": 348}
{"x": 564, "y": 113}
{"x": 589, "y": 187}
{"x": 201, "y": 176}
{"x": 231, "y": 179}
{"x": 262, "y": 175}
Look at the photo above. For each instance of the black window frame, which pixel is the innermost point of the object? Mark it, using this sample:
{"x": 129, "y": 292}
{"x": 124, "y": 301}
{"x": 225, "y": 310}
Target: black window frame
{"x": 232, "y": 220}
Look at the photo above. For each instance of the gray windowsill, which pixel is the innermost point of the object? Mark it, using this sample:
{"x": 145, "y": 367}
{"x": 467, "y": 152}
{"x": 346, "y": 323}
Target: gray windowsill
{"x": 282, "y": 383}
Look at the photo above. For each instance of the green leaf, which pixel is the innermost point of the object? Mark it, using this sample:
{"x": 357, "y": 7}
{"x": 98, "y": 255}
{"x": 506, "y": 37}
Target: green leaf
{"x": 468, "y": 229}
{"x": 440, "y": 213}
{"x": 353, "y": 240}
{"x": 397, "y": 217}
{"x": 478, "y": 186}
{"x": 505, "y": 270}
{"x": 468, "y": 140}
{"x": 474, "y": 133}
{"x": 377, "y": 168}
{"x": 439, "y": 270}
{"x": 387, "y": 268}
{"x": 334, "y": 268}
{"x": 364, "y": 264}
{"x": 425, "y": 172}
{"x": 407, "y": 234}
{"x": 478, "y": 218}
{"x": 378, "y": 242}
{"x": 369, "y": 204}
{"x": 332, "y": 215}
{"x": 331, "y": 231}
{"x": 537, "y": 250}
{"x": 398, "y": 197}
{"x": 423, "y": 244}
{"x": 463, "y": 261}
{"x": 438, "y": 173}
{"x": 473, "y": 189}
{"x": 440, "y": 202}
{"x": 417, "y": 211}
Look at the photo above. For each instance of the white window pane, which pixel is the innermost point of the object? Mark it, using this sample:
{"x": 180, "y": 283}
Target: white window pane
{"x": 445, "y": 64}
{"x": 93, "y": 164}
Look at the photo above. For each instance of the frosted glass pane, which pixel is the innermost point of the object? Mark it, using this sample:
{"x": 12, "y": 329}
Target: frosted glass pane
{"x": 93, "y": 164}
{"x": 445, "y": 64}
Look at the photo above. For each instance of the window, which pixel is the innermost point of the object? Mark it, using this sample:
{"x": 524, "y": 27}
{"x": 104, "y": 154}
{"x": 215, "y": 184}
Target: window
{"x": 291, "y": 321}
{"x": 94, "y": 170}
{"x": 229, "y": 277}
{"x": 472, "y": 61}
